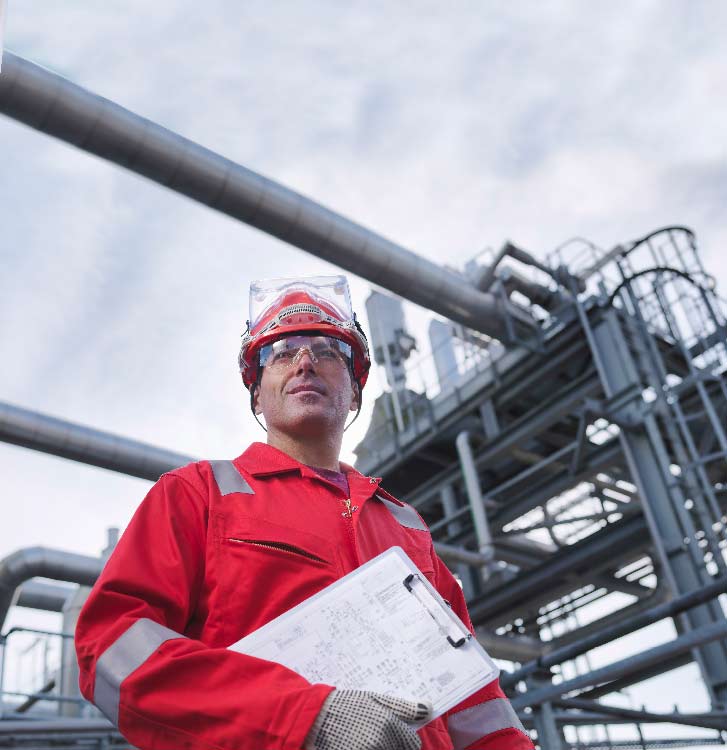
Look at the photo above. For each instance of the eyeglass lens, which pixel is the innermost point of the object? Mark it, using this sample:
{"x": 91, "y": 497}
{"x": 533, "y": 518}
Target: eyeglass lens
{"x": 287, "y": 351}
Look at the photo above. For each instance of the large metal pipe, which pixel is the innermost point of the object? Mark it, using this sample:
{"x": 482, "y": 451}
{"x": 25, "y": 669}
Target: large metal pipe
{"x": 476, "y": 501}
{"x": 451, "y": 553}
{"x": 53, "y": 105}
{"x": 30, "y": 429}
{"x": 510, "y": 647}
{"x": 27, "y": 563}
{"x": 47, "y": 596}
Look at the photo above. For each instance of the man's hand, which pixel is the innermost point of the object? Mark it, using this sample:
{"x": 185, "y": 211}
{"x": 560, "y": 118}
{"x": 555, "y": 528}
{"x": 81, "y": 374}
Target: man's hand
{"x": 360, "y": 720}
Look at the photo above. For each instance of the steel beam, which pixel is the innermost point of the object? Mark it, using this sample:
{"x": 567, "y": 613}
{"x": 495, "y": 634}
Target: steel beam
{"x": 662, "y": 500}
{"x": 638, "y": 676}
{"x": 598, "y": 460}
{"x": 586, "y": 557}
{"x": 660, "y": 612}
{"x": 652, "y": 657}
{"x": 512, "y": 436}
{"x": 614, "y": 618}
{"x": 707, "y": 721}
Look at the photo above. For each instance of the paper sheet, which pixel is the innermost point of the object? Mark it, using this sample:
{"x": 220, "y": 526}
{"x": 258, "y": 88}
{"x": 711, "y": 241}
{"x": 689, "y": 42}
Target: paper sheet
{"x": 368, "y": 631}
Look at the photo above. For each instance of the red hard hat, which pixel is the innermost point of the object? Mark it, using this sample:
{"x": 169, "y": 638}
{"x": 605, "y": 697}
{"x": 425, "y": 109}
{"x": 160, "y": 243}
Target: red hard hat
{"x": 318, "y": 304}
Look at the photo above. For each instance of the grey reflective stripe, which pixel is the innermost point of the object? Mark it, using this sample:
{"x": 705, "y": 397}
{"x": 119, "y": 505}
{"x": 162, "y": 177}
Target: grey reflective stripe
{"x": 404, "y": 514}
{"x": 485, "y": 718}
{"x": 229, "y": 479}
{"x": 127, "y": 653}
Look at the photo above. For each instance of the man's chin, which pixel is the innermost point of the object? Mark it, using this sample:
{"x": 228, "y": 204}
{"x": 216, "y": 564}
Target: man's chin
{"x": 310, "y": 420}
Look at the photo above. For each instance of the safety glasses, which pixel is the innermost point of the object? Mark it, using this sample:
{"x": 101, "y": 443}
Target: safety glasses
{"x": 325, "y": 351}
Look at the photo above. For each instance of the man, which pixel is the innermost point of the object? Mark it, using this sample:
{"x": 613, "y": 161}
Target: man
{"x": 219, "y": 548}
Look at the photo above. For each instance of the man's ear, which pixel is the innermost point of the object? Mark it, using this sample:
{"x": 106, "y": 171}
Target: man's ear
{"x": 255, "y": 399}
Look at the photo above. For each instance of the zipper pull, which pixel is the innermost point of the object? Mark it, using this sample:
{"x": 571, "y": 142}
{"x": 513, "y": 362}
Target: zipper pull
{"x": 350, "y": 509}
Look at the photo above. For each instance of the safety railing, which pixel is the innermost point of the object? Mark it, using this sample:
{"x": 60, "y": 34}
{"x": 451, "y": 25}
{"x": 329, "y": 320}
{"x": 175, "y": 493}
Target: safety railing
{"x": 32, "y": 675}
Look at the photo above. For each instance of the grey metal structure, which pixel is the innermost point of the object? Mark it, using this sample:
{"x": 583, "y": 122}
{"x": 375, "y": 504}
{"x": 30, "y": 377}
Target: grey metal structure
{"x": 606, "y": 438}
{"x": 573, "y": 469}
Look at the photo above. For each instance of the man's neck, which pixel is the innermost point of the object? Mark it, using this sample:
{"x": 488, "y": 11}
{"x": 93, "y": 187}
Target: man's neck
{"x": 316, "y": 453}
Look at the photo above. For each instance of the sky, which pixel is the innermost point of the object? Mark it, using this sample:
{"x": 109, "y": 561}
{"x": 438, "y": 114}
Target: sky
{"x": 447, "y": 128}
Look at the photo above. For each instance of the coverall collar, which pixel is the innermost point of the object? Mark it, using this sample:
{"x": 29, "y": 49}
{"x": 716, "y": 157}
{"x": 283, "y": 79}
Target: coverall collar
{"x": 261, "y": 459}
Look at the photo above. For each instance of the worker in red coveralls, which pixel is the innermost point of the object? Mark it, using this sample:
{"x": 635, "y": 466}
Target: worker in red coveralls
{"x": 219, "y": 548}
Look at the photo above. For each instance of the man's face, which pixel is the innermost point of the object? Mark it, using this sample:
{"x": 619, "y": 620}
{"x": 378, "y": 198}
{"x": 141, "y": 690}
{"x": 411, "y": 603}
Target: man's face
{"x": 305, "y": 388}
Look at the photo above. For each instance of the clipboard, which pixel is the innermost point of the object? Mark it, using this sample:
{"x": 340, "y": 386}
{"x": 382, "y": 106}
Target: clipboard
{"x": 384, "y": 628}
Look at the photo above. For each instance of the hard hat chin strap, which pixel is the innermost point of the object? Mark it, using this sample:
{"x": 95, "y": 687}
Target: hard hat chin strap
{"x": 359, "y": 389}
{"x": 253, "y": 389}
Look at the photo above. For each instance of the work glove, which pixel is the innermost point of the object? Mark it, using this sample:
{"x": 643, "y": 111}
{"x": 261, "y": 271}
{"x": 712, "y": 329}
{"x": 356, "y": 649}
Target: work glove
{"x": 361, "y": 720}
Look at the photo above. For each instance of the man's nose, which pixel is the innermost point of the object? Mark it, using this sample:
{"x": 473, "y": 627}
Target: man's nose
{"x": 305, "y": 360}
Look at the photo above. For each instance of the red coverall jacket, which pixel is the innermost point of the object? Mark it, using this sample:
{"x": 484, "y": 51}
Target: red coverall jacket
{"x": 216, "y": 550}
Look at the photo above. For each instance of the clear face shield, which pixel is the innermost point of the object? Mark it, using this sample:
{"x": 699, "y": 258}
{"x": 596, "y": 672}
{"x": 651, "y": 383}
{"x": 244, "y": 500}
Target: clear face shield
{"x": 330, "y": 294}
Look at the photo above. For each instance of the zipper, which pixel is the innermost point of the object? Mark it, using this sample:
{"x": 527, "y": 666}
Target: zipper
{"x": 281, "y": 547}
{"x": 348, "y": 520}
{"x": 350, "y": 509}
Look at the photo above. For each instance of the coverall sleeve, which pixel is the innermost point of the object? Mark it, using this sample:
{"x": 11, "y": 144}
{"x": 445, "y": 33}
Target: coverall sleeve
{"x": 162, "y": 689}
{"x": 485, "y": 720}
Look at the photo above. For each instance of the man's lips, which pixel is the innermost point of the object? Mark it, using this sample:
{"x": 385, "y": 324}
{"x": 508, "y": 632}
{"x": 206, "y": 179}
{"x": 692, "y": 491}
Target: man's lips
{"x": 306, "y": 388}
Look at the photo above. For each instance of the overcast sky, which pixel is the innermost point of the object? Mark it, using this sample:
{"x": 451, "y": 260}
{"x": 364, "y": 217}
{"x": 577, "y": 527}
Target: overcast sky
{"x": 445, "y": 127}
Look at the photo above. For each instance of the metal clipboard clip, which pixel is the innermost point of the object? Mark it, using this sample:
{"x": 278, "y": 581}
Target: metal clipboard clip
{"x": 455, "y": 632}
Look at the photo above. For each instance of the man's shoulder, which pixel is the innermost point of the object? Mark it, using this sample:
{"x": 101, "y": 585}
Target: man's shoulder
{"x": 212, "y": 474}
{"x": 198, "y": 475}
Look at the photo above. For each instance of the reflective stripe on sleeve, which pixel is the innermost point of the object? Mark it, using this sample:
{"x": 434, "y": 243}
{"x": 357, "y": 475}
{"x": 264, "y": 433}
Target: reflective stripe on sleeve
{"x": 127, "y": 653}
{"x": 485, "y": 718}
{"x": 229, "y": 479}
{"x": 404, "y": 514}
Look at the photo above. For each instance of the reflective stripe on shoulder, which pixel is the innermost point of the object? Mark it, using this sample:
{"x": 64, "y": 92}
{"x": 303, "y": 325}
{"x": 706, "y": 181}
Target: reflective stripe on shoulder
{"x": 127, "y": 653}
{"x": 229, "y": 479}
{"x": 485, "y": 718}
{"x": 404, "y": 514}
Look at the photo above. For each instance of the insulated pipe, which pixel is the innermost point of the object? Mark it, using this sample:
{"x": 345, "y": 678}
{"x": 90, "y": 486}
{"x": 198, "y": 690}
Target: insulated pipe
{"x": 53, "y": 105}
{"x": 538, "y": 294}
{"x": 46, "y": 596}
{"x": 69, "y": 440}
{"x": 474, "y": 493}
{"x": 27, "y": 563}
{"x": 510, "y": 647}
{"x": 452, "y": 553}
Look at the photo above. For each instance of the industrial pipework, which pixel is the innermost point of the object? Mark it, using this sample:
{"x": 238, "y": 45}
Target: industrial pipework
{"x": 27, "y": 563}
{"x": 54, "y": 105}
{"x": 76, "y": 442}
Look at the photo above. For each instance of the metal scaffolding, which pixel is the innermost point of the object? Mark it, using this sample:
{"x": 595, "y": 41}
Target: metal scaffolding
{"x": 573, "y": 470}
{"x": 602, "y": 446}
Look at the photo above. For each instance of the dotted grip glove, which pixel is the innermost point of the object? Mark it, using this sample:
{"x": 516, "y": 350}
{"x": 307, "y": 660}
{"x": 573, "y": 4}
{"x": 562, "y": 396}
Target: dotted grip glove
{"x": 360, "y": 720}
